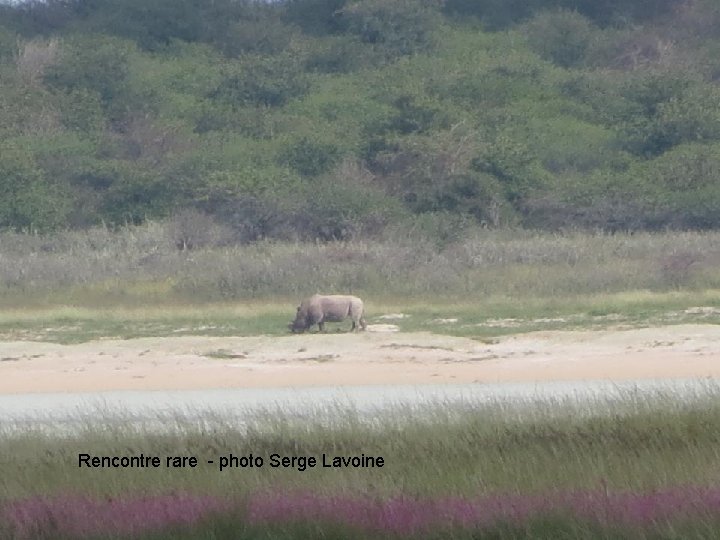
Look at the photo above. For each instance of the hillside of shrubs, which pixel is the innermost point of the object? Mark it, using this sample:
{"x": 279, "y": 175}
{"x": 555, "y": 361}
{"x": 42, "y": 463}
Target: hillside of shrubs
{"x": 339, "y": 119}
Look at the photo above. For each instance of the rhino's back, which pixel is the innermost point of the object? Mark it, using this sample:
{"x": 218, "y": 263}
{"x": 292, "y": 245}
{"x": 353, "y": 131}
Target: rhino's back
{"x": 336, "y": 306}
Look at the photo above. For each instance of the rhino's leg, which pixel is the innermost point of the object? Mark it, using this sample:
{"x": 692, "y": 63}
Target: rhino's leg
{"x": 363, "y": 324}
{"x": 321, "y": 326}
{"x": 353, "y": 328}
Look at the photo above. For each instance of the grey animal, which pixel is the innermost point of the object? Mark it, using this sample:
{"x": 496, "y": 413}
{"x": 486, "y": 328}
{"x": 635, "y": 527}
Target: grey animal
{"x": 319, "y": 309}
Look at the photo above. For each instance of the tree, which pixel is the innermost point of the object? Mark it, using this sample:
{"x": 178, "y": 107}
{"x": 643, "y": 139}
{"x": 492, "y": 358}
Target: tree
{"x": 150, "y": 23}
{"x": 563, "y": 37}
{"x": 27, "y": 198}
{"x": 98, "y": 64}
{"x": 398, "y": 28}
{"x": 316, "y": 17}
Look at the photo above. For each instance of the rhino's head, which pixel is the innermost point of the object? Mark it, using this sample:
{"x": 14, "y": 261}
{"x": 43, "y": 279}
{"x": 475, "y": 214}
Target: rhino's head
{"x": 299, "y": 325}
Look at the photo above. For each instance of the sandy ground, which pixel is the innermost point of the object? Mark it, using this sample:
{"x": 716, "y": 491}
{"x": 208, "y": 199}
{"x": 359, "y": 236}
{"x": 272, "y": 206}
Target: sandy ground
{"x": 370, "y": 358}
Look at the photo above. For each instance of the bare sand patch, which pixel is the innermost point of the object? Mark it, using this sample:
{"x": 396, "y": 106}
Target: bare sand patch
{"x": 369, "y": 358}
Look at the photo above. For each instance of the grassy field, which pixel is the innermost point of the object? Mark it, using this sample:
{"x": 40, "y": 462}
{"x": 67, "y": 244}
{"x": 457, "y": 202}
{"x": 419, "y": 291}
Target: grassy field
{"x": 80, "y": 285}
{"x": 499, "y": 453}
{"x": 480, "y": 319}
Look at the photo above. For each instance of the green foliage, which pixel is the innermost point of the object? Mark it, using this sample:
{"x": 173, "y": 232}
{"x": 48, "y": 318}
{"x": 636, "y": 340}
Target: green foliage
{"x": 81, "y": 110}
{"x": 398, "y": 28}
{"x": 437, "y": 176}
{"x": 135, "y": 194}
{"x": 609, "y": 100}
{"x": 28, "y": 199}
{"x": 473, "y": 194}
{"x": 500, "y": 79}
{"x": 263, "y": 80}
{"x": 562, "y": 37}
{"x": 607, "y": 12}
{"x": 339, "y": 55}
{"x": 20, "y": 106}
{"x": 513, "y": 164}
{"x": 136, "y": 109}
{"x": 502, "y": 13}
{"x": 692, "y": 116}
{"x": 650, "y": 89}
{"x": 310, "y": 157}
{"x": 686, "y": 182}
{"x": 99, "y": 65}
{"x": 341, "y": 209}
{"x": 412, "y": 117}
{"x": 565, "y": 144}
{"x": 493, "y": 13}
{"x": 262, "y": 36}
{"x": 149, "y": 24}
{"x": 316, "y": 17}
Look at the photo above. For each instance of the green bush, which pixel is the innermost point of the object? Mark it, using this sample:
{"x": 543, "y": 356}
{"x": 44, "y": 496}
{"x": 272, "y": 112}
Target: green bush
{"x": 97, "y": 65}
{"x": 317, "y": 17}
{"x": 151, "y": 24}
{"x": 262, "y": 80}
{"x": 692, "y": 116}
{"x": 256, "y": 35}
{"x": 397, "y": 28}
{"x": 513, "y": 164}
{"x": 310, "y": 156}
{"x": 495, "y": 14}
{"x": 502, "y": 13}
{"x": 28, "y": 198}
{"x": 339, "y": 55}
{"x": 81, "y": 110}
{"x": 563, "y": 37}
{"x": 335, "y": 208}
{"x": 686, "y": 180}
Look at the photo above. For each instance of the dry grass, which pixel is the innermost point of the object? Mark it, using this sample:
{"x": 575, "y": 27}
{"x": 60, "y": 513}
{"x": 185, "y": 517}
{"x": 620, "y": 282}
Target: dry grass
{"x": 143, "y": 265}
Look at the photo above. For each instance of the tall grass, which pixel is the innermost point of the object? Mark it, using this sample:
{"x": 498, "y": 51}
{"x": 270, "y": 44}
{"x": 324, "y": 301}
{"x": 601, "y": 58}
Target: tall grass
{"x": 141, "y": 265}
{"x": 638, "y": 442}
{"x": 636, "y": 465}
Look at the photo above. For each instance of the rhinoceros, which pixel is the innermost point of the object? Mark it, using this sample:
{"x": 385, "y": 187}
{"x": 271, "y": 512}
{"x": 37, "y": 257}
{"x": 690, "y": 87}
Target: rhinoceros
{"x": 319, "y": 309}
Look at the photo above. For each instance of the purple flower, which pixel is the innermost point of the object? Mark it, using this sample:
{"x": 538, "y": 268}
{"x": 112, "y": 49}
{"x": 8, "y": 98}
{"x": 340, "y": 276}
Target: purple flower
{"x": 406, "y": 515}
{"x": 78, "y": 516}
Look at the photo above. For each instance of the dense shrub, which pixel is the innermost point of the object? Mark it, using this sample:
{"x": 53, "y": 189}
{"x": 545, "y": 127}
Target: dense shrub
{"x": 28, "y": 198}
{"x": 262, "y": 80}
{"x": 310, "y": 157}
{"x": 397, "y": 28}
{"x": 124, "y": 111}
{"x": 502, "y": 13}
{"x": 562, "y": 37}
